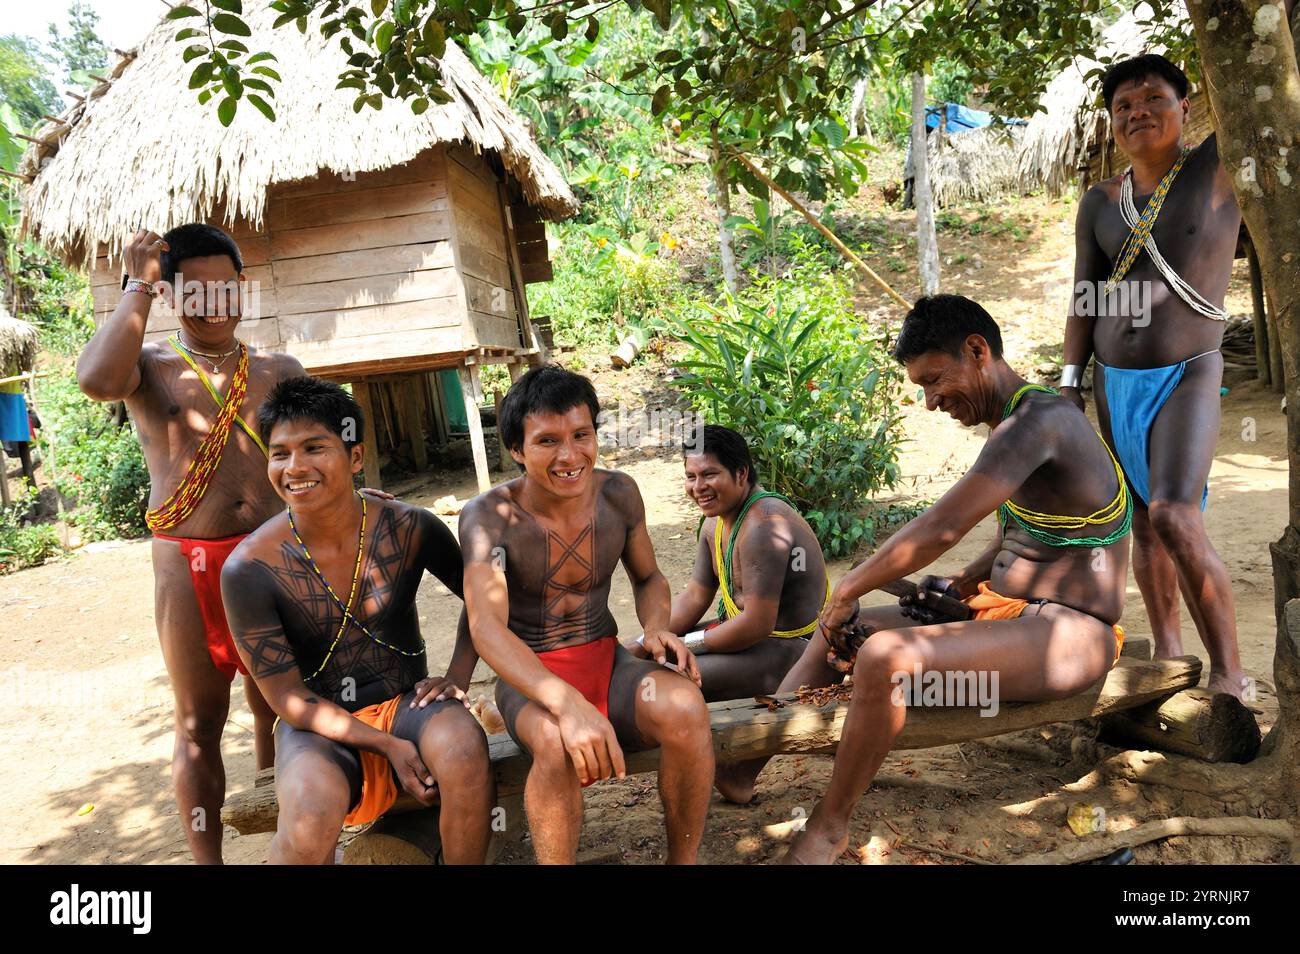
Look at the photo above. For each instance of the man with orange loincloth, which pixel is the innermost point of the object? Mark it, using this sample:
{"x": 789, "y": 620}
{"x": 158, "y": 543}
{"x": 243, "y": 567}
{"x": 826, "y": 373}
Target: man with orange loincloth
{"x": 1042, "y": 601}
{"x": 192, "y": 398}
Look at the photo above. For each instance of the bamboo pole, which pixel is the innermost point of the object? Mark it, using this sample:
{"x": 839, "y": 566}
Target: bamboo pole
{"x": 817, "y": 224}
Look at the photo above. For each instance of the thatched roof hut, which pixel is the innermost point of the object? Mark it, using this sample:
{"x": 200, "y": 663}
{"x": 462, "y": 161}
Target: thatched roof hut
{"x": 382, "y": 243}
{"x": 976, "y": 165}
{"x": 18, "y": 344}
{"x": 1071, "y": 139}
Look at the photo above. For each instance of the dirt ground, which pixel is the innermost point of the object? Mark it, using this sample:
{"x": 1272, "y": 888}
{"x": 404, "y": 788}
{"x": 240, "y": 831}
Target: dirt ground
{"x": 87, "y": 732}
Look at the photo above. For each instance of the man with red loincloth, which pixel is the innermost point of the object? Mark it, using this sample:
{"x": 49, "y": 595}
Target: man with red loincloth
{"x": 193, "y": 399}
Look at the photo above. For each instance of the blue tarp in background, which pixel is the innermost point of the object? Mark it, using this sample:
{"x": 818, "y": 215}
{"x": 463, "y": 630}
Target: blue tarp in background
{"x": 961, "y": 118}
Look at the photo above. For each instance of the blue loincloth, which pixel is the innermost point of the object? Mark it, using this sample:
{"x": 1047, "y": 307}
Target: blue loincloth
{"x": 1135, "y": 397}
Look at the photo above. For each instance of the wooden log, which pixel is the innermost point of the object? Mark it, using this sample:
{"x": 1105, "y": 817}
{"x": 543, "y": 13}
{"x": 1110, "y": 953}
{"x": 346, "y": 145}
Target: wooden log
{"x": 412, "y": 404}
{"x": 470, "y": 387}
{"x": 1211, "y": 726}
{"x": 370, "y": 439}
{"x": 626, "y": 353}
{"x": 744, "y": 729}
{"x": 408, "y": 839}
{"x": 415, "y": 838}
{"x": 1259, "y": 316}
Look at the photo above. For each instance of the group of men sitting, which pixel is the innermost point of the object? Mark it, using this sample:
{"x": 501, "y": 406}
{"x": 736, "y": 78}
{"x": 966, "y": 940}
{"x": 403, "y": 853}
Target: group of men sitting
{"x": 308, "y": 586}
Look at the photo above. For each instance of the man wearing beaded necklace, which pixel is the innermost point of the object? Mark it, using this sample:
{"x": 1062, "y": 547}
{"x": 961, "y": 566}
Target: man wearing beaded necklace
{"x": 207, "y": 482}
{"x": 321, "y": 600}
{"x": 1158, "y": 373}
{"x": 1045, "y": 595}
{"x": 756, "y": 549}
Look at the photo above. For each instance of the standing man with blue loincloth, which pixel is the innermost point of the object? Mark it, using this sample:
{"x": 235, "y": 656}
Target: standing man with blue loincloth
{"x": 1154, "y": 250}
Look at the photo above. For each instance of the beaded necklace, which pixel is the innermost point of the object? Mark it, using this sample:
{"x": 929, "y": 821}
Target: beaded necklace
{"x": 348, "y": 617}
{"x": 1137, "y": 237}
{"x": 1040, "y": 525}
{"x": 727, "y": 607}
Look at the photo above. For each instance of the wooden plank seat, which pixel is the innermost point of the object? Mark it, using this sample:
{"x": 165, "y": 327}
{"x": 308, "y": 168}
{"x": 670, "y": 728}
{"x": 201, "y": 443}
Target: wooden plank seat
{"x": 746, "y": 729}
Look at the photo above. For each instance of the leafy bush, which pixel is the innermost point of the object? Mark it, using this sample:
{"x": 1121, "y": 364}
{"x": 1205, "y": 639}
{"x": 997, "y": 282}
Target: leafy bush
{"x": 810, "y": 388}
{"x": 99, "y": 464}
{"x": 24, "y": 546}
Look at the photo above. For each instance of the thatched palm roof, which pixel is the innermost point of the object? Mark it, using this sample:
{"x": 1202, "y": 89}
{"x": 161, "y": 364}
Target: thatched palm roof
{"x": 18, "y": 344}
{"x": 140, "y": 149}
{"x": 1057, "y": 140}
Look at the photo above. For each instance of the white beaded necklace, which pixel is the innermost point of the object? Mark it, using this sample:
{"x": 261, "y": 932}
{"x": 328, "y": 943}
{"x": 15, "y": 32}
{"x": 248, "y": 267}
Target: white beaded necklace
{"x": 1186, "y": 292}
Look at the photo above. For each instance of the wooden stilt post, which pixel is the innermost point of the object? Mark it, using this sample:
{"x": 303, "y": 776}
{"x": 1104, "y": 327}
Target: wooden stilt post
{"x": 1277, "y": 375}
{"x": 505, "y": 457}
{"x": 516, "y": 370}
{"x": 1262, "y": 370}
{"x": 414, "y": 420}
{"x": 470, "y": 387}
{"x": 370, "y": 439}
{"x": 4, "y": 481}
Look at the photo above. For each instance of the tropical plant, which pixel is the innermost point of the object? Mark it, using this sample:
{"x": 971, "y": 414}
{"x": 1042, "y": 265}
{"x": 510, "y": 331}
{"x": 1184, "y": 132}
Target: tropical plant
{"x": 810, "y": 389}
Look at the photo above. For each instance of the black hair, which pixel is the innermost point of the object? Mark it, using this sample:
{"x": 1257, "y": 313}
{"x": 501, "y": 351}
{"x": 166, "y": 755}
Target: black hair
{"x": 943, "y": 323}
{"x": 725, "y": 446}
{"x": 1139, "y": 68}
{"x": 548, "y": 389}
{"x": 196, "y": 240}
{"x": 306, "y": 398}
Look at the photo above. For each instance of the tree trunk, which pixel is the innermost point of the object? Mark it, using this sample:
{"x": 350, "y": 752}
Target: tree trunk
{"x": 722, "y": 203}
{"x": 1248, "y": 58}
{"x": 927, "y": 242}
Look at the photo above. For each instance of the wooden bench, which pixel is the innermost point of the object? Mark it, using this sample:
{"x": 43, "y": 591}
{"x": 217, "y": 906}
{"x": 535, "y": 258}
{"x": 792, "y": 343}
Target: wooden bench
{"x": 746, "y": 729}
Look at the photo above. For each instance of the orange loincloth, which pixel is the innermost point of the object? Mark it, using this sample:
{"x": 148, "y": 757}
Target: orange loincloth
{"x": 378, "y": 786}
{"x": 990, "y": 605}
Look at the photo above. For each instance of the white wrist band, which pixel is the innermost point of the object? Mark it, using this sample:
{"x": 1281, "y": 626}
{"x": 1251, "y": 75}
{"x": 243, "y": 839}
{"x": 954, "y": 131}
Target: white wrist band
{"x": 695, "y": 642}
{"x": 1071, "y": 375}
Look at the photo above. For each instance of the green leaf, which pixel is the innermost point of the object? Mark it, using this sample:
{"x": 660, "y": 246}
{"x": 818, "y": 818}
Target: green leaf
{"x": 661, "y": 99}
{"x": 515, "y": 23}
{"x": 418, "y": 106}
{"x": 226, "y": 110}
{"x": 188, "y": 33}
{"x": 559, "y": 26}
{"x": 267, "y": 71}
{"x": 262, "y": 106}
{"x": 259, "y": 57}
{"x": 377, "y": 7}
{"x": 193, "y": 51}
{"x": 234, "y": 6}
{"x": 593, "y": 29}
{"x": 201, "y": 75}
{"x": 229, "y": 23}
{"x": 252, "y": 82}
{"x": 234, "y": 45}
{"x": 231, "y": 83}
{"x": 181, "y": 12}
{"x": 434, "y": 35}
{"x": 384, "y": 36}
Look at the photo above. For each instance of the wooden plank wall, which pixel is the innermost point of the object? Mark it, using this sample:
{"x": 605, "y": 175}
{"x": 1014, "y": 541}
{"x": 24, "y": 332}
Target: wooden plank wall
{"x": 478, "y": 229}
{"x": 356, "y": 276}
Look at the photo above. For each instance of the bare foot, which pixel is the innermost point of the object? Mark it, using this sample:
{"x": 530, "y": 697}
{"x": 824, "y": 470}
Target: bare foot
{"x": 1233, "y": 683}
{"x": 735, "y": 783}
{"x": 812, "y": 847}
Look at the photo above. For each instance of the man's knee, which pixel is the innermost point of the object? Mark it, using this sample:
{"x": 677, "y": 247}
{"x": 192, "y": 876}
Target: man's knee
{"x": 881, "y": 657}
{"x": 454, "y": 747}
{"x": 200, "y": 726}
{"x": 312, "y": 806}
{"x": 675, "y": 710}
{"x": 1176, "y": 523}
{"x": 546, "y": 745}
